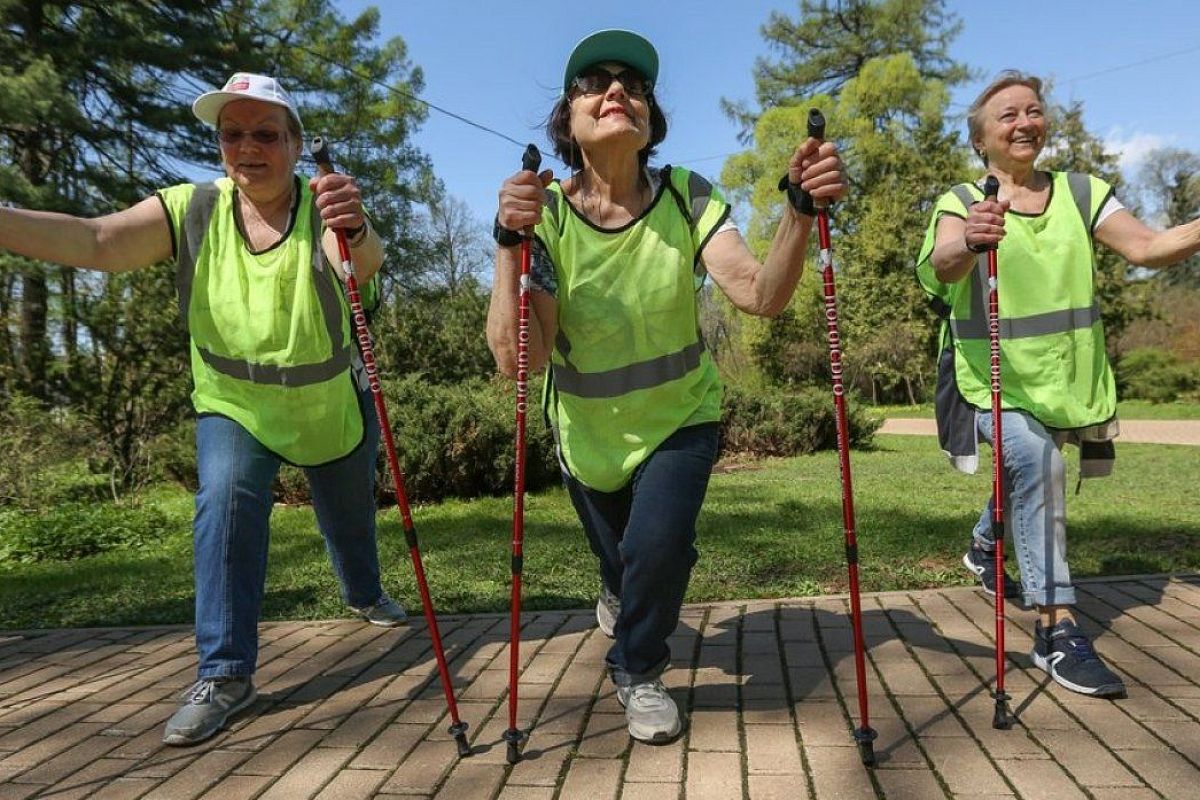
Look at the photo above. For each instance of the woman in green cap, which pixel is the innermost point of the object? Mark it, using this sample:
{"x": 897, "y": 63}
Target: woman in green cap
{"x": 620, "y": 251}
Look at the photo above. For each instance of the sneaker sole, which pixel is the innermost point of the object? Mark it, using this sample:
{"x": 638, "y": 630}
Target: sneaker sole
{"x": 978, "y": 573}
{"x": 183, "y": 740}
{"x": 652, "y": 735}
{"x": 387, "y": 623}
{"x": 602, "y": 620}
{"x": 1104, "y": 690}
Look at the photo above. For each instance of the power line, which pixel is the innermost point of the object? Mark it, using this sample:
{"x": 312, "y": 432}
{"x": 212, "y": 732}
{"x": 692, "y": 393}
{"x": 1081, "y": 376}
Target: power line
{"x": 1131, "y": 64}
{"x": 391, "y": 88}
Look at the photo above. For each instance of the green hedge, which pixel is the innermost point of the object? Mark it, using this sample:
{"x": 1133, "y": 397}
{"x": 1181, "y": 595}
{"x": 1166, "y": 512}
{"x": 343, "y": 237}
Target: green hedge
{"x": 1160, "y": 376}
{"x": 76, "y": 530}
{"x": 456, "y": 440}
{"x": 782, "y": 422}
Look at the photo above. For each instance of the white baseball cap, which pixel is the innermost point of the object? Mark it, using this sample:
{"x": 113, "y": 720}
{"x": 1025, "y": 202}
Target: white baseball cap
{"x": 243, "y": 86}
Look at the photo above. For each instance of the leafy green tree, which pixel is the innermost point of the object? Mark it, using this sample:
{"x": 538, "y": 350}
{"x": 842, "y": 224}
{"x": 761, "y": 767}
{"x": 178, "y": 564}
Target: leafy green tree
{"x": 831, "y": 42}
{"x": 892, "y": 129}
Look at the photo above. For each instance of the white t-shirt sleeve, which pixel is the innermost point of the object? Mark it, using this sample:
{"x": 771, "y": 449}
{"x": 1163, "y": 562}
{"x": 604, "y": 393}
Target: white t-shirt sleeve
{"x": 1111, "y": 206}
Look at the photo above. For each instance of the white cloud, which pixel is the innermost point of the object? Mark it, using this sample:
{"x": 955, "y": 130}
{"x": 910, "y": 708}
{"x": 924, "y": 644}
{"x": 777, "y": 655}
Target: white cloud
{"x": 1131, "y": 147}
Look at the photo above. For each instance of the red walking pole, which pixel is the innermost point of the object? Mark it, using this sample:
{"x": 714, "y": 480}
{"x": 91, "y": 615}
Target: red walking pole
{"x": 864, "y": 735}
{"x": 458, "y": 729}
{"x": 531, "y": 160}
{"x": 1002, "y": 719}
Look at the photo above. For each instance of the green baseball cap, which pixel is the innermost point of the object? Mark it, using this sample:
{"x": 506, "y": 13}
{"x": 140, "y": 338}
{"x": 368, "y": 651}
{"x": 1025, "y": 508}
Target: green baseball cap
{"x": 613, "y": 44}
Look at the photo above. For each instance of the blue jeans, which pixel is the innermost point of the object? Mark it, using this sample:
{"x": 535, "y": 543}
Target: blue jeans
{"x": 645, "y": 537}
{"x": 1035, "y": 513}
{"x": 231, "y": 529}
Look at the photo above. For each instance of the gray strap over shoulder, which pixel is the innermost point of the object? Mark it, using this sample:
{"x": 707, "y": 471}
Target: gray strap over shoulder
{"x": 1081, "y": 192}
{"x": 195, "y": 225}
{"x": 963, "y": 193}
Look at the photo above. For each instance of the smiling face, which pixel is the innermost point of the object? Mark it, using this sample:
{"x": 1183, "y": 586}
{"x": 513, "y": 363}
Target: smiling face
{"x": 612, "y": 118}
{"x": 261, "y": 169}
{"x": 1014, "y": 128}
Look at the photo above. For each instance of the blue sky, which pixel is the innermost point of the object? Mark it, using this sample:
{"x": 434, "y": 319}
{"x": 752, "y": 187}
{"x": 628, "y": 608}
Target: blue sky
{"x": 1133, "y": 64}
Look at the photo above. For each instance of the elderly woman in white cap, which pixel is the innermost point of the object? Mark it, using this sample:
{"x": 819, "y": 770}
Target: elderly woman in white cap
{"x": 273, "y": 365}
{"x": 633, "y": 394}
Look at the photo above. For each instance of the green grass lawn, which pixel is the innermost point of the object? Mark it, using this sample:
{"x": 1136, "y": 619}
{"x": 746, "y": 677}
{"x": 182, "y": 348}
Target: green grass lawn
{"x": 1127, "y": 409}
{"x": 769, "y": 529}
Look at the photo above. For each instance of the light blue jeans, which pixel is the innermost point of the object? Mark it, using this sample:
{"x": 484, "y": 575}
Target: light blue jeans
{"x": 1035, "y": 514}
{"x": 231, "y": 529}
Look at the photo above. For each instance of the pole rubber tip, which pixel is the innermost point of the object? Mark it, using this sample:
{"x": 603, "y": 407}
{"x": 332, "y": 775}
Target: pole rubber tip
{"x": 865, "y": 738}
{"x": 459, "y": 731}
{"x": 514, "y": 738}
{"x": 1002, "y": 719}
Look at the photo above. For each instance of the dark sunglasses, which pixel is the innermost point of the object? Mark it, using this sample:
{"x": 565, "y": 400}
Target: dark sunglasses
{"x": 597, "y": 80}
{"x": 260, "y": 136}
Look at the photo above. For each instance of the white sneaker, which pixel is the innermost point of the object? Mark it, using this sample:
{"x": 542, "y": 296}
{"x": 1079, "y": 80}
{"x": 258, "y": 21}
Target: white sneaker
{"x": 650, "y": 712}
{"x": 608, "y": 608}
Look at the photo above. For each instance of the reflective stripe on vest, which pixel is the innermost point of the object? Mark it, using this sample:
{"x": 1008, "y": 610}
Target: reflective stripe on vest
{"x": 195, "y": 226}
{"x": 1037, "y": 324}
{"x": 629, "y": 378}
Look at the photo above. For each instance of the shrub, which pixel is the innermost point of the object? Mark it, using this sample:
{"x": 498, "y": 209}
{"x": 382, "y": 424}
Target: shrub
{"x": 452, "y": 440}
{"x": 37, "y": 446}
{"x": 1160, "y": 376}
{"x": 458, "y": 440}
{"x": 781, "y": 422}
{"x": 76, "y": 531}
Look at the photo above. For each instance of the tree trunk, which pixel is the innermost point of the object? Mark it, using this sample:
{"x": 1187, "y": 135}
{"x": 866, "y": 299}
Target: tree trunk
{"x": 70, "y": 315}
{"x": 35, "y": 352}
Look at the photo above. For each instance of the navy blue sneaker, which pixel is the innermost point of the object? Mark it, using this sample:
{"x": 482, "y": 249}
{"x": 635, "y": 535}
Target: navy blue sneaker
{"x": 1065, "y": 653}
{"x": 983, "y": 564}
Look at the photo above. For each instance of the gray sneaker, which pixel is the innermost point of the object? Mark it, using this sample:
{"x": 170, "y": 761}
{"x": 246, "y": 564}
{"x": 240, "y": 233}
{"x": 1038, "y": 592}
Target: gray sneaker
{"x": 650, "y": 712}
{"x": 608, "y": 608}
{"x": 206, "y": 707}
{"x": 386, "y": 612}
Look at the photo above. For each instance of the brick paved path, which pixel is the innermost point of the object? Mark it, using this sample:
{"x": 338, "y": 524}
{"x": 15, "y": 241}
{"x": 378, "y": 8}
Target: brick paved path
{"x": 348, "y": 711}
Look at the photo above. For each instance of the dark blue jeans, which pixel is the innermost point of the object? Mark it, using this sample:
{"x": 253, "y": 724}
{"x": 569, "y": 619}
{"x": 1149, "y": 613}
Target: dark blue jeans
{"x": 645, "y": 537}
{"x": 231, "y": 529}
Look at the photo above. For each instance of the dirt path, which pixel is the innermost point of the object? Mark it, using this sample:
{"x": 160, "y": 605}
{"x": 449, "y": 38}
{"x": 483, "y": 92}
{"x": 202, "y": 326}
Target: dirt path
{"x": 1148, "y": 431}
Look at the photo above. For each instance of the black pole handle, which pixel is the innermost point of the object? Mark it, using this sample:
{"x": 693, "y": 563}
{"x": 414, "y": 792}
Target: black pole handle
{"x": 991, "y": 187}
{"x": 319, "y": 151}
{"x": 816, "y": 124}
{"x": 531, "y": 159}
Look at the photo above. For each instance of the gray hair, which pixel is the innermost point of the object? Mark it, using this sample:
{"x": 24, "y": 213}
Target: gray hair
{"x": 1007, "y": 78}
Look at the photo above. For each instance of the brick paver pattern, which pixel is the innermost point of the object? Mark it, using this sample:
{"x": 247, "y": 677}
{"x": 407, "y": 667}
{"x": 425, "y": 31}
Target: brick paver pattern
{"x": 349, "y": 711}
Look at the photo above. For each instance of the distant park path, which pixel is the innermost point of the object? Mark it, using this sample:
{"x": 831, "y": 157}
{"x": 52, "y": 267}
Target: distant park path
{"x": 1156, "y": 431}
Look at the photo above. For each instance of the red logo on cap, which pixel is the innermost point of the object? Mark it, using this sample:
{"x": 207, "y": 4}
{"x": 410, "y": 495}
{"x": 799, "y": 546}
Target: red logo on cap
{"x": 240, "y": 86}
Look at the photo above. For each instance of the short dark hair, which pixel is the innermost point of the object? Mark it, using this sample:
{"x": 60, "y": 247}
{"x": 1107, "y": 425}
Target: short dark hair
{"x": 558, "y": 131}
